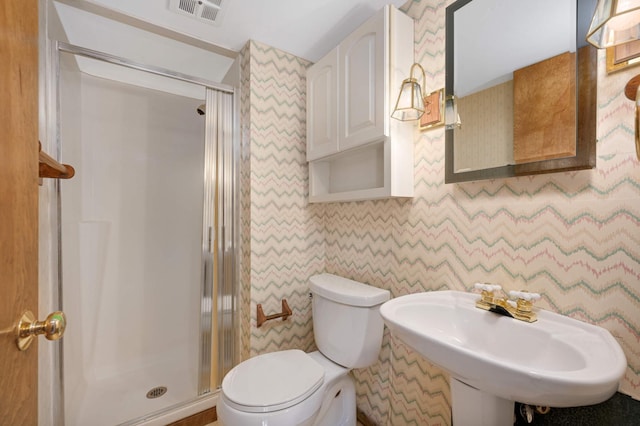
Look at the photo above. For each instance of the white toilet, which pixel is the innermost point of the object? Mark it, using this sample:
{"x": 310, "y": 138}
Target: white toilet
{"x": 294, "y": 388}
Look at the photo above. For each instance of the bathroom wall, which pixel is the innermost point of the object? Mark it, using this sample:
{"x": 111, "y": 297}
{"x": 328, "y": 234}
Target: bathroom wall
{"x": 573, "y": 237}
{"x": 282, "y": 235}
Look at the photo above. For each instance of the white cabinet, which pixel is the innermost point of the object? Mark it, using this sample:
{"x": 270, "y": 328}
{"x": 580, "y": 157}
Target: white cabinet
{"x": 362, "y": 83}
{"x": 355, "y": 150}
{"x": 322, "y": 114}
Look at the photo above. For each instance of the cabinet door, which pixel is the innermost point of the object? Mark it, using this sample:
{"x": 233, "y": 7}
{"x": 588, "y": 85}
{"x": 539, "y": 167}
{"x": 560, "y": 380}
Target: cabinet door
{"x": 322, "y": 107}
{"x": 362, "y": 84}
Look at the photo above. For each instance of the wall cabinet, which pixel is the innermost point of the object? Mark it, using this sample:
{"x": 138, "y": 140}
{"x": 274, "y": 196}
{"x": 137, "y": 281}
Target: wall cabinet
{"x": 355, "y": 150}
{"x": 363, "y": 65}
{"x": 322, "y": 99}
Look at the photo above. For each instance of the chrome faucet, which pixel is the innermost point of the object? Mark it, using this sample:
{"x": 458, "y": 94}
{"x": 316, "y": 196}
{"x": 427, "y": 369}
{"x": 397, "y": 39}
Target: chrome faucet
{"x": 521, "y": 308}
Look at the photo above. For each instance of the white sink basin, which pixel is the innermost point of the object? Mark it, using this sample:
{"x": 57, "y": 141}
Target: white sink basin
{"x": 556, "y": 361}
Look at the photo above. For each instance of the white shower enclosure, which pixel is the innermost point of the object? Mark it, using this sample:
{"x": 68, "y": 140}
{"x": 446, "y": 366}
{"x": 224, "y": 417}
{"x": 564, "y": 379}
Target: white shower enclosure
{"x": 143, "y": 225}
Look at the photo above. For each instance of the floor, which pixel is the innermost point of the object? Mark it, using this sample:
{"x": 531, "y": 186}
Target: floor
{"x": 619, "y": 410}
{"x": 216, "y": 424}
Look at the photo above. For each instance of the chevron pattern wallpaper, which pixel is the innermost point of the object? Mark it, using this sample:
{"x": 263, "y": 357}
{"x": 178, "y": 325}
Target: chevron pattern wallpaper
{"x": 282, "y": 235}
{"x": 573, "y": 237}
{"x": 244, "y": 302}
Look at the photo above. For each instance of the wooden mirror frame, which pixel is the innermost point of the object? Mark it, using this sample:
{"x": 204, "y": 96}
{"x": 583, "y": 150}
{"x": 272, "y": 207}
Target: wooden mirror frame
{"x": 585, "y": 158}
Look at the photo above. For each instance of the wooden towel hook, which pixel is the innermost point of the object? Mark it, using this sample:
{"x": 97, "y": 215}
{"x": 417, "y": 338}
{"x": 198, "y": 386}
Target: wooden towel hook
{"x": 50, "y": 168}
{"x": 262, "y": 318}
{"x": 631, "y": 88}
{"x": 631, "y": 92}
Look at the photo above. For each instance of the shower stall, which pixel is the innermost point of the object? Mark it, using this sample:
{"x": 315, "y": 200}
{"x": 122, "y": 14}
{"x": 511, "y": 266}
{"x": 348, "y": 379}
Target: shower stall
{"x": 147, "y": 237}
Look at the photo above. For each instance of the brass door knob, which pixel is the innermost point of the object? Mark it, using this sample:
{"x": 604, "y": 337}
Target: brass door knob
{"x": 28, "y": 328}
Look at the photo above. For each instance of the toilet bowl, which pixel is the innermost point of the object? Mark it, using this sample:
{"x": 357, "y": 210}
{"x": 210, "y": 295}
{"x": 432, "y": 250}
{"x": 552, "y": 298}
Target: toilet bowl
{"x": 295, "y": 388}
{"x": 287, "y": 405}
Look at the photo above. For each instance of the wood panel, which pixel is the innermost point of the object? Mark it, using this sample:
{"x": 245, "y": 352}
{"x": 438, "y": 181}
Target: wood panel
{"x": 545, "y": 110}
{"x": 587, "y": 92}
{"x": 18, "y": 206}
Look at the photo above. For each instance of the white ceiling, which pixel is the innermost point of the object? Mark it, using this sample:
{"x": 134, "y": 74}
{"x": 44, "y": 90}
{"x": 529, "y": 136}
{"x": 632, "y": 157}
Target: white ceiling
{"x": 305, "y": 28}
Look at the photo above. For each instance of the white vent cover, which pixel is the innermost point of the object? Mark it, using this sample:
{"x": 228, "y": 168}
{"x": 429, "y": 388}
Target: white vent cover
{"x": 209, "y": 11}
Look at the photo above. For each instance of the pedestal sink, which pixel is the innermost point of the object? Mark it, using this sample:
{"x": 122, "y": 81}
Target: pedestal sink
{"x": 495, "y": 360}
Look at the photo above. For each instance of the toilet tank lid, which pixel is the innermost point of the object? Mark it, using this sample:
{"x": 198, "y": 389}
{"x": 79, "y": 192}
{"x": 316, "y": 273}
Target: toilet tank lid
{"x": 346, "y": 291}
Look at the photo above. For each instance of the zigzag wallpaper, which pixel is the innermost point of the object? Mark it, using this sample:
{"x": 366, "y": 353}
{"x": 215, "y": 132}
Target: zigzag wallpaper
{"x": 282, "y": 235}
{"x": 573, "y": 237}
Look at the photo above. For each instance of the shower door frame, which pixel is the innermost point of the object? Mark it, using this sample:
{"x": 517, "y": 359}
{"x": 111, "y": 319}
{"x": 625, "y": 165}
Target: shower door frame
{"x": 220, "y": 214}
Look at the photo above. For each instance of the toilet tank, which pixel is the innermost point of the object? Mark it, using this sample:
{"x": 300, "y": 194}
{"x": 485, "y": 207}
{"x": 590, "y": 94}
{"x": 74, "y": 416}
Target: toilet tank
{"x": 347, "y": 325}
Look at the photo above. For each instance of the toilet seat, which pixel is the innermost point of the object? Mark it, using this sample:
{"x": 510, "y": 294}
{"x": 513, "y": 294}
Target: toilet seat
{"x": 272, "y": 381}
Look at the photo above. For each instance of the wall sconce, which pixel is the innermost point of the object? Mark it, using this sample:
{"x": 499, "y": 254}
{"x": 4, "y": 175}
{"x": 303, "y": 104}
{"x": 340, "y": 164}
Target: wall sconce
{"x": 632, "y": 92}
{"x": 617, "y": 22}
{"x": 614, "y": 22}
{"x": 410, "y": 103}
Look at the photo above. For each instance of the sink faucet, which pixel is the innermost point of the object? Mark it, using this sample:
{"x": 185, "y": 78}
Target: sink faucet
{"x": 521, "y": 308}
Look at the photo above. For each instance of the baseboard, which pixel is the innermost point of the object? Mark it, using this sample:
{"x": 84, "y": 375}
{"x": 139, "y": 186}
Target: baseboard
{"x": 364, "y": 420}
{"x": 199, "y": 419}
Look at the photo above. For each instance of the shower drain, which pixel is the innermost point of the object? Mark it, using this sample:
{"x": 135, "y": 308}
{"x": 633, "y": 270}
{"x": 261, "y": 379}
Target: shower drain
{"x": 157, "y": 392}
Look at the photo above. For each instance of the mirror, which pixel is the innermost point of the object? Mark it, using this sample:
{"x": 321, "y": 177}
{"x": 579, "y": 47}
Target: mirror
{"x": 524, "y": 81}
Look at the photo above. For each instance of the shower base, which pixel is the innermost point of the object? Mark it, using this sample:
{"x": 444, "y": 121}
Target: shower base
{"x": 122, "y": 399}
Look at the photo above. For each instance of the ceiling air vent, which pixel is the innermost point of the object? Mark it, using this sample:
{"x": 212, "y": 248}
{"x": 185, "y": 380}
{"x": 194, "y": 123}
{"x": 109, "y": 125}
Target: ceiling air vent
{"x": 209, "y": 11}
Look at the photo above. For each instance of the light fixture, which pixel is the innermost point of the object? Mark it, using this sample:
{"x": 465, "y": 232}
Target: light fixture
{"x": 410, "y": 103}
{"x": 632, "y": 92}
{"x": 614, "y": 22}
{"x": 617, "y": 22}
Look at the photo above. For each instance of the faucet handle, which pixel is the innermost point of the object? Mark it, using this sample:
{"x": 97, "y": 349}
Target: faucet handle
{"x": 487, "y": 299}
{"x": 488, "y": 287}
{"x": 524, "y": 295}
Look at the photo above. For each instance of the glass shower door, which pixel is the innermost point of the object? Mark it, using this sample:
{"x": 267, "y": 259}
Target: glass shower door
{"x": 132, "y": 242}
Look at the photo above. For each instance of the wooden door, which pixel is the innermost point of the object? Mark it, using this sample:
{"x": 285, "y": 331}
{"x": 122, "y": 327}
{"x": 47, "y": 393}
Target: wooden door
{"x": 18, "y": 206}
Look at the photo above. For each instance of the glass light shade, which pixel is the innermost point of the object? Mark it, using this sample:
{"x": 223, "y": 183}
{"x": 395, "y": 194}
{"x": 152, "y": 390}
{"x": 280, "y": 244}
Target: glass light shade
{"x": 410, "y": 104}
{"x": 614, "y": 22}
{"x": 451, "y": 116}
